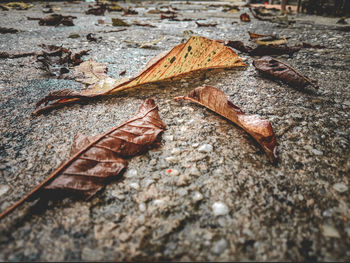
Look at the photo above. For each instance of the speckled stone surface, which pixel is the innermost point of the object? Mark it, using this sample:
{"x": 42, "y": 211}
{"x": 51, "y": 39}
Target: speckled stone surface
{"x": 164, "y": 206}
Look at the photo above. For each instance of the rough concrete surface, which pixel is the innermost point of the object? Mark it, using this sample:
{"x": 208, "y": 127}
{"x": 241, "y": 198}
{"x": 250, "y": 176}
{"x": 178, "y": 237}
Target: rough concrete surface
{"x": 184, "y": 200}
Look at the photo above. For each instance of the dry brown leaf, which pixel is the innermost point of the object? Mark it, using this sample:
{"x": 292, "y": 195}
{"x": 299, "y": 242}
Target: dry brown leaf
{"x": 215, "y": 100}
{"x": 97, "y": 160}
{"x": 279, "y": 70}
{"x": 257, "y": 36}
{"x": 197, "y": 54}
{"x": 90, "y": 72}
{"x": 245, "y": 17}
{"x": 206, "y": 25}
{"x": 271, "y": 42}
{"x": 55, "y": 20}
{"x": 6, "y": 30}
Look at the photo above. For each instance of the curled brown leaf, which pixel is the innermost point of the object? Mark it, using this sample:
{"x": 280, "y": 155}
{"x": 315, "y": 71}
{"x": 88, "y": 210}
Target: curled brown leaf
{"x": 215, "y": 100}
{"x": 279, "y": 70}
{"x": 244, "y": 17}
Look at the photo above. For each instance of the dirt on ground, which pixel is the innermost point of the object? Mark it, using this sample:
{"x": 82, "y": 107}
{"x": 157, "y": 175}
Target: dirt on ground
{"x": 208, "y": 193}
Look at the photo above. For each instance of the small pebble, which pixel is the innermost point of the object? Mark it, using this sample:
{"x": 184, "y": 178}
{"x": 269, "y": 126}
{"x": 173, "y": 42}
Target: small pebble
{"x": 194, "y": 171}
{"x": 173, "y": 172}
{"x": 175, "y": 151}
{"x": 172, "y": 159}
{"x": 316, "y": 152}
{"x": 197, "y": 196}
{"x": 183, "y": 180}
{"x": 219, "y": 246}
{"x": 142, "y": 207}
{"x": 4, "y": 189}
{"x": 131, "y": 173}
{"x": 219, "y": 209}
{"x": 330, "y": 231}
{"x": 135, "y": 186}
{"x": 205, "y": 148}
{"x": 340, "y": 187}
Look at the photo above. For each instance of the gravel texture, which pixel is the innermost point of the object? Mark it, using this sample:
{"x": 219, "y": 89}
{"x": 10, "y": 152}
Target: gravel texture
{"x": 208, "y": 193}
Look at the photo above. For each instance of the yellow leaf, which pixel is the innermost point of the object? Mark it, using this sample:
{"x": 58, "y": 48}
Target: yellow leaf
{"x": 272, "y": 42}
{"x": 197, "y": 54}
{"x": 19, "y": 5}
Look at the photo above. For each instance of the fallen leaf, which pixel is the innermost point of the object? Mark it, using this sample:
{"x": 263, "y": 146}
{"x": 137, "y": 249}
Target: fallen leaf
{"x": 279, "y": 70}
{"x": 170, "y": 17}
{"x": 231, "y": 9}
{"x": 257, "y": 36}
{"x": 145, "y": 44}
{"x": 197, "y": 54}
{"x": 261, "y": 50}
{"x": 96, "y": 160}
{"x": 258, "y": 16}
{"x": 129, "y": 11}
{"x": 98, "y": 10}
{"x": 55, "y": 20}
{"x": 237, "y": 45}
{"x": 119, "y": 22}
{"x": 271, "y": 42}
{"x": 112, "y": 31}
{"x": 74, "y": 35}
{"x": 16, "y": 5}
{"x": 136, "y": 23}
{"x": 244, "y": 17}
{"x": 215, "y": 100}
{"x": 90, "y": 72}
{"x": 308, "y": 45}
{"x": 271, "y": 50}
{"x": 5, "y": 30}
{"x": 115, "y": 8}
{"x": 205, "y": 25}
{"x": 92, "y": 37}
{"x": 57, "y": 60}
{"x": 122, "y": 73}
{"x": 342, "y": 21}
{"x": 17, "y": 55}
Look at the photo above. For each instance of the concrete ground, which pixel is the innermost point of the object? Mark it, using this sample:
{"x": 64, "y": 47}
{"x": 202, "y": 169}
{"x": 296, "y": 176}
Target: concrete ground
{"x": 165, "y": 206}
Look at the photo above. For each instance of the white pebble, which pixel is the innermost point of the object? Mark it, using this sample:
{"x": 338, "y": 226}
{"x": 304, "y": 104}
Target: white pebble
{"x": 135, "y": 186}
{"x": 172, "y": 159}
{"x": 197, "y": 196}
{"x": 219, "y": 246}
{"x": 330, "y": 231}
{"x": 205, "y": 148}
{"x": 131, "y": 173}
{"x": 340, "y": 187}
{"x": 142, "y": 207}
{"x": 194, "y": 171}
{"x": 4, "y": 189}
{"x": 219, "y": 209}
{"x": 158, "y": 202}
{"x": 316, "y": 152}
{"x": 175, "y": 151}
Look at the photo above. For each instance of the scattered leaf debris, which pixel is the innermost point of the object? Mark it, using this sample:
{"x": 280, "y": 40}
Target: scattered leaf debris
{"x": 175, "y": 63}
